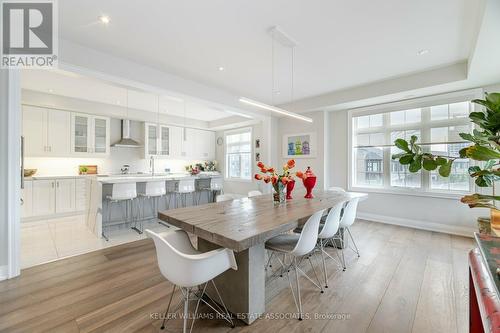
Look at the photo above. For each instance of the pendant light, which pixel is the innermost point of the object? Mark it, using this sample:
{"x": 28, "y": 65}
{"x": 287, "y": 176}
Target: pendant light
{"x": 278, "y": 35}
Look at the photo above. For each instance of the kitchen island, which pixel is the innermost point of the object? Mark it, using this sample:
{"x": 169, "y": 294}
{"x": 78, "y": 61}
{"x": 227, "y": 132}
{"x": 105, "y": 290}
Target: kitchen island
{"x": 101, "y": 187}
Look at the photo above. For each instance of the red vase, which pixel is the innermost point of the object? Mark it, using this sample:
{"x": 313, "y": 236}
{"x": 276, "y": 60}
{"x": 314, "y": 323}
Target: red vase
{"x": 309, "y": 183}
{"x": 289, "y": 188}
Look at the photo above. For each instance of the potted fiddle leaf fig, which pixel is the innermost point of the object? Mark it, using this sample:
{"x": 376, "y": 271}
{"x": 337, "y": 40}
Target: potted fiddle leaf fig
{"x": 485, "y": 148}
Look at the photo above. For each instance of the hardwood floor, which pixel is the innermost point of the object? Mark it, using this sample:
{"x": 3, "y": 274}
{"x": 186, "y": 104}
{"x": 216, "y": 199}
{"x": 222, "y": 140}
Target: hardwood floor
{"x": 405, "y": 281}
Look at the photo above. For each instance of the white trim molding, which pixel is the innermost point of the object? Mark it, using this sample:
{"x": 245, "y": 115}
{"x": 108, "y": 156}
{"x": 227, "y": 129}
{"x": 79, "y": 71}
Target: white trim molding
{"x": 4, "y": 272}
{"x": 418, "y": 224}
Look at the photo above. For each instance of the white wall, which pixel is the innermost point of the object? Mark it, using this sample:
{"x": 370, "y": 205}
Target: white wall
{"x": 288, "y": 125}
{"x": 62, "y": 166}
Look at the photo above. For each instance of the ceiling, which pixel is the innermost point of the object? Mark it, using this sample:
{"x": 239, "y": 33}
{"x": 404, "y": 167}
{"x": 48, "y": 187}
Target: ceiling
{"x": 341, "y": 44}
{"x": 77, "y": 86}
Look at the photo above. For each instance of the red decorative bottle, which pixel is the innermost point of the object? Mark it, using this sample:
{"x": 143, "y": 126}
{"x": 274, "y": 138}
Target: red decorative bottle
{"x": 289, "y": 188}
{"x": 309, "y": 182}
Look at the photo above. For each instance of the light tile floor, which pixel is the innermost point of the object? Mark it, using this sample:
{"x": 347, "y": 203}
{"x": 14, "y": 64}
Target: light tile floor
{"x": 49, "y": 240}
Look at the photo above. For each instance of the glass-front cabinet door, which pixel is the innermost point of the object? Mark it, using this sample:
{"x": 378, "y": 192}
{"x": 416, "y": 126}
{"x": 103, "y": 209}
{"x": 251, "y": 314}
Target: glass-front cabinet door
{"x": 151, "y": 139}
{"x": 81, "y": 133}
{"x": 164, "y": 141}
{"x": 100, "y": 135}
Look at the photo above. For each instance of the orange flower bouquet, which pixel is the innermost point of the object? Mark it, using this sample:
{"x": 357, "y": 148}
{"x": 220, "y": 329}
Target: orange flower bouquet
{"x": 278, "y": 180}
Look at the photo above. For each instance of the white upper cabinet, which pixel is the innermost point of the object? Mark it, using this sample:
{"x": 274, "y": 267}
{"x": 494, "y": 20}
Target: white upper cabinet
{"x": 158, "y": 140}
{"x": 89, "y": 135}
{"x": 46, "y": 131}
{"x": 176, "y": 142}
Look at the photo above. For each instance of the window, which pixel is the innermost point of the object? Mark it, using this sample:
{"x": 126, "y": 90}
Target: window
{"x": 436, "y": 121}
{"x": 239, "y": 154}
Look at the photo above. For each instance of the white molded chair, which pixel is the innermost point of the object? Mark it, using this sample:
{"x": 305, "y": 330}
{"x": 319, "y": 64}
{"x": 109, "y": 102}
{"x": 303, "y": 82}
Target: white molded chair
{"x": 185, "y": 187}
{"x": 348, "y": 218}
{"x": 254, "y": 193}
{"x": 224, "y": 197}
{"x": 297, "y": 245}
{"x": 151, "y": 191}
{"x": 336, "y": 189}
{"x": 328, "y": 233}
{"x": 121, "y": 193}
{"x": 186, "y": 268}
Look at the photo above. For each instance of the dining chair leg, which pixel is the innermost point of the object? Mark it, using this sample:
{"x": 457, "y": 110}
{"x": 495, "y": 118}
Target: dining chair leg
{"x": 197, "y": 306}
{"x": 324, "y": 263}
{"x": 269, "y": 261}
{"x": 168, "y": 308}
{"x": 298, "y": 286}
{"x": 315, "y": 275}
{"x": 353, "y": 242}
{"x": 186, "y": 310}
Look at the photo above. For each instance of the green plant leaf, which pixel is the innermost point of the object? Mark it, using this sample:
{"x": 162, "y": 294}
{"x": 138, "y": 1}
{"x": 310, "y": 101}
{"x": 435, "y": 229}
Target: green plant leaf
{"x": 445, "y": 169}
{"x": 402, "y": 144}
{"x": 474, "y": 169}
{"x": 416, "y": 164}
{"x": 440, "y": 160}
{"x": 429, "y": 164}
{"x": 397, "y": 156}
{"x": 493, "y": 98}
{"x": 480, "y": 153}
{"x": 406, "y": 159}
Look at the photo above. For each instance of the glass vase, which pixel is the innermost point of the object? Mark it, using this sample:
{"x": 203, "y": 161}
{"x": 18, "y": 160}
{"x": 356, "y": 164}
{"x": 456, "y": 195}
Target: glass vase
{"x": 279, "y": 193}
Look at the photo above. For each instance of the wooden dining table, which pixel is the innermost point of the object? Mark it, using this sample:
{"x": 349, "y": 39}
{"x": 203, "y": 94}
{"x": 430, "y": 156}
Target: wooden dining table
{"x": 244, "y": 225}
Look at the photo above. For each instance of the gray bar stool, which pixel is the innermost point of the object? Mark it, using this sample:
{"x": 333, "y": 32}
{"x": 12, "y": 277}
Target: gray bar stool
{"x": 216, "y": 186}
{"x": 124, "y": 194}
{"x": 151, "y": 192}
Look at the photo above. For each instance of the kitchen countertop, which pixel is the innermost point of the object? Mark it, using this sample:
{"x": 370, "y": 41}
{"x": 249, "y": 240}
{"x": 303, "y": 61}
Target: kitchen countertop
{"x": 141, "y": 178}
{"x": 57, "y": 177}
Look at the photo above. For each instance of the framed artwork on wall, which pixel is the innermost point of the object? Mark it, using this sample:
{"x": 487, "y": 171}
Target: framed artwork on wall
{"x": 300, "y": 145}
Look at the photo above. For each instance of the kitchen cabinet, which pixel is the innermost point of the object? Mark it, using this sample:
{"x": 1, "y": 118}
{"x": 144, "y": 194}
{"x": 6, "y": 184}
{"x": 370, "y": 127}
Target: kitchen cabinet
{"x": 46, "y": 131}
{"x": 199, "y": 144}
{"x": 65, "y": 195}
{"x": 170, "y": 141}
{"x": 157, "y": 141}
{"x": 81, "y": 187}
{"x": 44, "y": 197}
{"x": 90, "y": 135}
{"x": 27, "y": 199}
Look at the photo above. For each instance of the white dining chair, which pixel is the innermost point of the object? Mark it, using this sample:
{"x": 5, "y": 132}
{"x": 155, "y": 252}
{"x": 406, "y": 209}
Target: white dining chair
{"x": 254, "y": 193}
{"x": 348, "y": 218}
{"x": 224, "y": 197}
{"x": 295, "y": 246}
{"x": 327, "y": 233}
{"x": 187, "y": 268}
{"x": 336, "y": 189}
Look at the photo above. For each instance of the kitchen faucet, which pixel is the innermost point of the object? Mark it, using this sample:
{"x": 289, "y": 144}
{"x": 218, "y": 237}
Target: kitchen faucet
{"x": 152, "y": 165}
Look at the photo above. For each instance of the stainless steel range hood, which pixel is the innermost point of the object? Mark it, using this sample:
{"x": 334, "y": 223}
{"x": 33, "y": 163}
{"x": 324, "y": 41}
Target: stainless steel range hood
{"x": 126, "y": 141}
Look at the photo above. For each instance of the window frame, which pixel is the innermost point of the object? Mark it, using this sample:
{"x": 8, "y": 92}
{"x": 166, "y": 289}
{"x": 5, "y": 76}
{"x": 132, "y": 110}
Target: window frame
{"x": 226, "y": 167}
{"x": 385, "y": 109}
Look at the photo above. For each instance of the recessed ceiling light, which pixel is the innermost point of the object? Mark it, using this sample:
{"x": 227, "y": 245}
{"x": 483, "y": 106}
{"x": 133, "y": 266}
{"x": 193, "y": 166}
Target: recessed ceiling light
{"x": 422, "y": 52}
{"x": 221, "y": 68}
{"x": 50, "y": 90}
{"x": 104, "y": 19}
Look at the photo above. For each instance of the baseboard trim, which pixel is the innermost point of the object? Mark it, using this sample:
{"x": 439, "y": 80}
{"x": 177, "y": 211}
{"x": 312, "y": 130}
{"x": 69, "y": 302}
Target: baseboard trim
{"x": 4, "y": 272}
{"x": 416, "y": 224}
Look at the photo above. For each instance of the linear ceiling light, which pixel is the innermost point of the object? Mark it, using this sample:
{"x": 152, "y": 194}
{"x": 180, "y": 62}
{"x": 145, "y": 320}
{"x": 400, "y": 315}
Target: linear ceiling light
{"x": 239, "y": 114}
{"x": 274, "y": 109}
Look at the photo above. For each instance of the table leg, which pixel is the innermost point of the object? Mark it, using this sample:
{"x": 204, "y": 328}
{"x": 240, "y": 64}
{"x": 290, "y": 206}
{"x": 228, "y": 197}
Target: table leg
{"x": 243, "y": 291}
